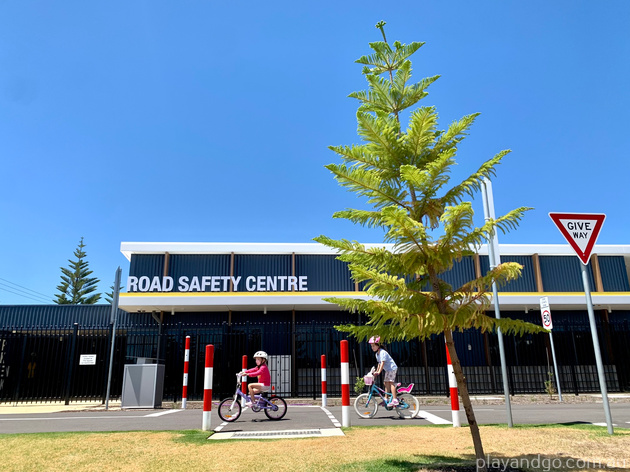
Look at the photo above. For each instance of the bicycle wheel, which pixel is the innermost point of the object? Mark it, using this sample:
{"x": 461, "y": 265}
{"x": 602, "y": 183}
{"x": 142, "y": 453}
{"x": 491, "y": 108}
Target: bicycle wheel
{"x": 227, "y": 412}
{"x": 408, "y": 406}
{"x": 365, "y": 409}
{"x": 276, "y": 414}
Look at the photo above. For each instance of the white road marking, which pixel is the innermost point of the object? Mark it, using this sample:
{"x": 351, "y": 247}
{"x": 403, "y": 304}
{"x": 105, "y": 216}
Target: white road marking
{"x": 162, "y": 413}
{"x": 432, "y": 418}
{"x": 71, "y": 418}
{"x": 331, "y": 417}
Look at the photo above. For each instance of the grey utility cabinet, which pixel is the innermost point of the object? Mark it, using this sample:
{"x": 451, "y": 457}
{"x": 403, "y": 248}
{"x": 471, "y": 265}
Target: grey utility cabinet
{"x": 143, "y": 386}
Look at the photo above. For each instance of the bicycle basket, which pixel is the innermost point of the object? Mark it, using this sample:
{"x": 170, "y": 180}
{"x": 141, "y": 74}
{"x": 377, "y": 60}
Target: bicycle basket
{"x": 368, "y": 379}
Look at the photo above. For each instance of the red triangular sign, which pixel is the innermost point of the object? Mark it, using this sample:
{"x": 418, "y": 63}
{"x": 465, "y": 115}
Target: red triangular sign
{"x": 580, "y": 230}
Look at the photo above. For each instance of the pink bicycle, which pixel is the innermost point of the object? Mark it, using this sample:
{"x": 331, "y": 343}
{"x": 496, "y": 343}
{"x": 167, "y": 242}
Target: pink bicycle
{"x": 366, "y": 405}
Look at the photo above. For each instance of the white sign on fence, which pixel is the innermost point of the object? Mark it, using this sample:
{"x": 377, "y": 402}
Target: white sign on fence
{"x": 87, "y": 359}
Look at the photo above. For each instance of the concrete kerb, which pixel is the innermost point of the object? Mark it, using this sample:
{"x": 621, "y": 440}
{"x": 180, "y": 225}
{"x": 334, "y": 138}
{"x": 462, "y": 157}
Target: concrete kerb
{"x": 53, "y": 407}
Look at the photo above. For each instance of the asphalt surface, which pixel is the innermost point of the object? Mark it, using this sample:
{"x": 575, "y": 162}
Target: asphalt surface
{"x": 299, "y": 417}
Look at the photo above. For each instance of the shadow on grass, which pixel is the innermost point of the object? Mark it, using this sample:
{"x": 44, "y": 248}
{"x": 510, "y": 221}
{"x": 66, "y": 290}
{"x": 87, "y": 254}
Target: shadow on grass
{"x": 494, "y": 463}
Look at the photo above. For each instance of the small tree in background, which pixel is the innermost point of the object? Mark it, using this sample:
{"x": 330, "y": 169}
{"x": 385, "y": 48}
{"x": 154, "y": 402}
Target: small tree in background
{"x": 404, "y": 176}
{"x": 76, "y": 285}
{"x": 109, "y": 296}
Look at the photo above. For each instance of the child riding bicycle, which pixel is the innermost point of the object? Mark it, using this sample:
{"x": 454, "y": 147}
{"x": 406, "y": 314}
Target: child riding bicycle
{"x": 387, "y": 364}
{"x": 264, "y": 377}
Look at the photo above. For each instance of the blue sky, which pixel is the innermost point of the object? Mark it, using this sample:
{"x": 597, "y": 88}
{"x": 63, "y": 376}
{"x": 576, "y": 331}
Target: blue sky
{"x": 210, "y": 121}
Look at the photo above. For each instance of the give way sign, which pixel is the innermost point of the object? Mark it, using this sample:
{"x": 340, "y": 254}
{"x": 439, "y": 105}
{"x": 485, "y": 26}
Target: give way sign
{"x": 580, "y": 230}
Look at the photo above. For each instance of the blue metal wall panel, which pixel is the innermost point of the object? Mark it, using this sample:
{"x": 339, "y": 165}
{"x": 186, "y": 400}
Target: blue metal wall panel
{"x": 325, "y": 273}
{"x": 564, "y": 274}
{"x": 525, "y": 283}
{"x": 146, "y": 264}
{"x": 62, "y": 316}
{"x": 462, "y": 272}
{"x": 197, "y": 265}
{"x": 253, "y": 265}
{"x": 614, "y": 273}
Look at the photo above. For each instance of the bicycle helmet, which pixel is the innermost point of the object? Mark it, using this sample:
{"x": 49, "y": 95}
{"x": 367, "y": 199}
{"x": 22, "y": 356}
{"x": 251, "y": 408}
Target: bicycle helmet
{"x": 262, "y": 354}
{"x": 374, "y": 340}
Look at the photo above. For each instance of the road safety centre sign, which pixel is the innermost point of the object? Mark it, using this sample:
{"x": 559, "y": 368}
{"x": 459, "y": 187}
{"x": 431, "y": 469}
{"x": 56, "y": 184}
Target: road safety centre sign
{"x": 208, "y": 283}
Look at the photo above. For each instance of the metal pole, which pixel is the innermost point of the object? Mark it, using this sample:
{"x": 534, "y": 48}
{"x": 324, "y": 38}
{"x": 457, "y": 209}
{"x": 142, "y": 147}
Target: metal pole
{"x": 598, "y": 355}
{"x": 495, "y": 259}
{"x": 114, "y": 319}
{"x": 555, "y": 366}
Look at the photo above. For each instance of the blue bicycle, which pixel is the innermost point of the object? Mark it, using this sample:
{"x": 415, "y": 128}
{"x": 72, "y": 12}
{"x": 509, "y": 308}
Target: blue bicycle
{"x": 366, "y": 405}
{"x": 230, "y": 409}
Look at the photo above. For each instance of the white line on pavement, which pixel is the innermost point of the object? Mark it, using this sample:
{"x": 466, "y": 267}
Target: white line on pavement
{"x": 432, "y": 418}
{"x": 71, "y": 418}
{"x": 331, "y": 417}
{"x": 161, "y": 413}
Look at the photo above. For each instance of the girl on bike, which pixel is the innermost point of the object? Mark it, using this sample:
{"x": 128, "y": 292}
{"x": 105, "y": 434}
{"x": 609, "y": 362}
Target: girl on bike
{"x": 387, "y": 364}
{"x": 264, "y": 377}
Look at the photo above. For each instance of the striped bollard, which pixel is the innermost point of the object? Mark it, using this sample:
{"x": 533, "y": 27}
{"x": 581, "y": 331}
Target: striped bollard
{"x": 324, "y": 393}
{"x": 186, "y": 360}
{"x": 207, "y": 388}
{"x": 452, "y": 383}
{"x": 345, "y": 385}
{"x": 244, "y": 381}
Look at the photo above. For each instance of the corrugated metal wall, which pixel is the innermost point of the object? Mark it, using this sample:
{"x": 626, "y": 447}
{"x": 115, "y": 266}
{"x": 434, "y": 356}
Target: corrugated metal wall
{"x": 614, "y": 274}
{"x": 246, "y": 265}
{"x": 325, "y": 273}
{"x": 462, "y": 271}
{"x": 525, "y": 283}
{"x": 192, "y": 265}
{"x": 147, "y": 264}
{"x": 563, "y": 274}
{"x": 62, "y": 316}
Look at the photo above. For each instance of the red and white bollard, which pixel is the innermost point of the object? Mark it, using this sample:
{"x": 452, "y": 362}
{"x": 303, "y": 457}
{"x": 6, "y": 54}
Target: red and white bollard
{"x": 324, "y": 393}
{"x": 452, "y": 383}
{"x": 207, "y": 388}
{"x": 185, "y": 385}
{"x": 244, "y": 381}
{"x": 345, "y": 385}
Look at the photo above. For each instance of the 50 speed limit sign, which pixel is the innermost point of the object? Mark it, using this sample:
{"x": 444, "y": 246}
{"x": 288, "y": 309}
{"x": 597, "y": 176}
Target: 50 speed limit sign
{"x": 545, "y": 312}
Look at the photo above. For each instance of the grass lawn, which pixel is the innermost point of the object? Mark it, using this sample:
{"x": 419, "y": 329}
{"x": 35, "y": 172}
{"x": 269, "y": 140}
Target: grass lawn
{"x": 396, "y": 448}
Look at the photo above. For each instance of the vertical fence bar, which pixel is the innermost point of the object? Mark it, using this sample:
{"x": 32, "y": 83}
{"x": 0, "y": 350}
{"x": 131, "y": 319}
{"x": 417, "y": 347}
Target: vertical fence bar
{"x": 345, "y": 385}
{"x": 186, "y": 361}
{"x": 73, "y": 343}
{"x": 324, "y": 393}
{"x": 207, "y": 388}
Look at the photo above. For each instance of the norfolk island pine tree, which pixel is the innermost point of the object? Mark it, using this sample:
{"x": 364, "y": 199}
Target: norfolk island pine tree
{"x": 404, "y": 177}
{"x": 76, "y": 285}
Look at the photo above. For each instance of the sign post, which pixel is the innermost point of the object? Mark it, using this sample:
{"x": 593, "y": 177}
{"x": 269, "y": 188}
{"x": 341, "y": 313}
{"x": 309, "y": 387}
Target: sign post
{"x": 494, "y": 258}
{"x": 581, "y": 231}
{"x": 545, "y": 312}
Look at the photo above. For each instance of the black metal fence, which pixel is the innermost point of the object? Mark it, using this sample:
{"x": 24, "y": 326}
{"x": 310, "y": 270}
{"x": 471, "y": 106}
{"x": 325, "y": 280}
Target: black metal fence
{"x": 45, "y": 364}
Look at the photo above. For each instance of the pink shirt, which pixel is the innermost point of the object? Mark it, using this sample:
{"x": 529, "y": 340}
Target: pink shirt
{"x": 262, "y": 371}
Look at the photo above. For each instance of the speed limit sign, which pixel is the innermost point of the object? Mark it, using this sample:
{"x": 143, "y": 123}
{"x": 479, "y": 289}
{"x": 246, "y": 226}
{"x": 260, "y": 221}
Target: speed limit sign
{"x": 545, "y": 312}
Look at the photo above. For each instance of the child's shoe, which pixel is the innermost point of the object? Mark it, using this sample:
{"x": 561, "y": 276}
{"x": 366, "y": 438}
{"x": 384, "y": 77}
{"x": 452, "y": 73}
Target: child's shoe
{"x": 249, "y": 404}
{"x": 394, "y": 402}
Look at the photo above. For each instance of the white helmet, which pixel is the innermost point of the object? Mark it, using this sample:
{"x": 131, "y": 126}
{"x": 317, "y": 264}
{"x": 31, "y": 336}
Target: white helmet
{"x": 262, "y": 354}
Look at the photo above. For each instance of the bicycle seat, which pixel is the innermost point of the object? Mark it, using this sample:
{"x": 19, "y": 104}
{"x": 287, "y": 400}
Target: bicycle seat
{"x": 405, "y": 389}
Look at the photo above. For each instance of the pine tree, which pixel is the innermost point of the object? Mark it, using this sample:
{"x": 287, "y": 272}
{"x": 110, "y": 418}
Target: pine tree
{"x": 76, "y": 285}
{"x": 404, "y": 176}
{"x": 109, "y": 296}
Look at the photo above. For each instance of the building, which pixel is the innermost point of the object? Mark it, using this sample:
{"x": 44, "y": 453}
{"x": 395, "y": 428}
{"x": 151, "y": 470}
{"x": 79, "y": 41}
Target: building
{"x": 243, "y": 297}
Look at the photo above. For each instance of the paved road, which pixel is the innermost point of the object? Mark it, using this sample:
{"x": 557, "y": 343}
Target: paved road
{"x": 300, "y": 417}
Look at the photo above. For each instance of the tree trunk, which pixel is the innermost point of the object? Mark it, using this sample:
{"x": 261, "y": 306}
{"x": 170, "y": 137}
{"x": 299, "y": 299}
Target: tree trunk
{"x": 463, "y": 392}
